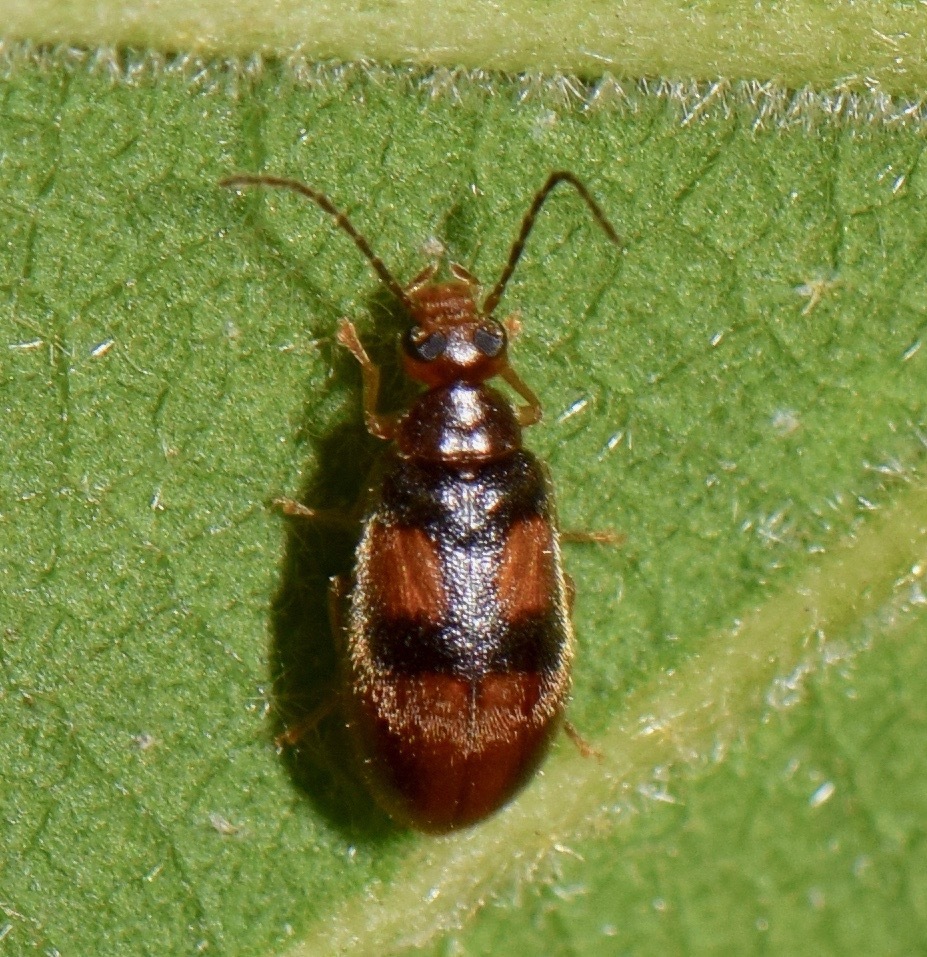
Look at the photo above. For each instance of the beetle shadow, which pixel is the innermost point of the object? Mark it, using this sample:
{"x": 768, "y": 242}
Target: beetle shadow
{"x": 307, "y": 653}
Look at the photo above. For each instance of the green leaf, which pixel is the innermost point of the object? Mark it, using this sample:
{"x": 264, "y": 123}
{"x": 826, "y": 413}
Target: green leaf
{"x": 740, "y": 393}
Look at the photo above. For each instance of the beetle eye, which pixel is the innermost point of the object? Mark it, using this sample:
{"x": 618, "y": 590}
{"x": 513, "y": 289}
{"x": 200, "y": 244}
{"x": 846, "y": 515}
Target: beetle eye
{"x": 426, "y": 347}
{"x": 489, "y": 340}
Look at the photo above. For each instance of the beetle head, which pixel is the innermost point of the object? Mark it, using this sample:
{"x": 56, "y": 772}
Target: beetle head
{"x": 450, "y": 340}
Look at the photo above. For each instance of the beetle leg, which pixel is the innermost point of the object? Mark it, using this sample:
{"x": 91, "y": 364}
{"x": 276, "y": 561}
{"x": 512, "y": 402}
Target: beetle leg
{"x": 582, "y": 745}
{"x": 289, "y": 506}
{"x": 512, "y": 323}
{"x": 338, "y": 587}
{"x": 381, "y": 425}
{"x": 294, "y": 733}
{"x": 598, "y": 538}
{"x": 328, "y": 516}
{"x": 570, "y": 592}
{"x": 527, "y": 414}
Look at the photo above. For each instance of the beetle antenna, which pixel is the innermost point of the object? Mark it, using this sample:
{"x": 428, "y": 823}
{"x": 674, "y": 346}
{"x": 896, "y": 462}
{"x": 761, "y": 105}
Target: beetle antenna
{"x": 341, "y": 221}
{"x": 560, "y": 176}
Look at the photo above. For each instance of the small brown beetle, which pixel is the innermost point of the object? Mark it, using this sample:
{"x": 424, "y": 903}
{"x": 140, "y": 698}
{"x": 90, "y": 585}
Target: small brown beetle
{"x": 459, "y": 642}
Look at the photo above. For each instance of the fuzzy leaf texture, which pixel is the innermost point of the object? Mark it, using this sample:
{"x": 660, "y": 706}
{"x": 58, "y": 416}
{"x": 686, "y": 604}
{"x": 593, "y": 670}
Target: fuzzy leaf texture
{"x": 826, "y": 43}
{"x": 740, "y": 392}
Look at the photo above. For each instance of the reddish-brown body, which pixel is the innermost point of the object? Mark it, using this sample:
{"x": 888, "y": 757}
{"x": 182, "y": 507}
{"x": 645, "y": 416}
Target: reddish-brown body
{"x": 458, "y": 631}
{"x": 459, "y": 641}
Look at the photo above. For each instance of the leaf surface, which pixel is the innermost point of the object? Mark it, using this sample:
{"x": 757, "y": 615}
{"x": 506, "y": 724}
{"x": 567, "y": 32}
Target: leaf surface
{"x": 740, "y": 393}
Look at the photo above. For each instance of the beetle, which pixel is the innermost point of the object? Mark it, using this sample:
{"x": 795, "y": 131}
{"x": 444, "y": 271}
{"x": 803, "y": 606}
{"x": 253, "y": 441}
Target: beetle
{"x": 459, "y": 640}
